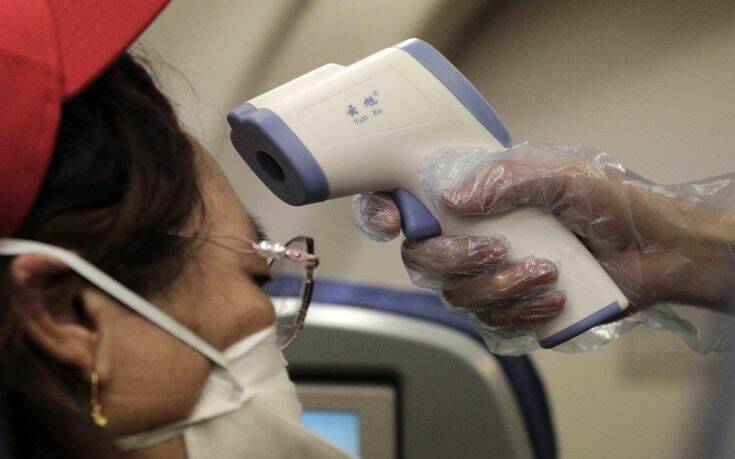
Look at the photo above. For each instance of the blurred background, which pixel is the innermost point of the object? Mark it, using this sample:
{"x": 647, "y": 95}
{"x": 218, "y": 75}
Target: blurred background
{"x": 651, "y": 83}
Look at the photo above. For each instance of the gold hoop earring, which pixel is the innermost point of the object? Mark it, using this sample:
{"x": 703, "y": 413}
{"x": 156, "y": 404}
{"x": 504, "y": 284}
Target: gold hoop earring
{"x": 97, "y": 416}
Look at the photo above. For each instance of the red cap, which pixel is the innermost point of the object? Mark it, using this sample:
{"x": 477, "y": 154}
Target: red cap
{"x": 49, "y": 51}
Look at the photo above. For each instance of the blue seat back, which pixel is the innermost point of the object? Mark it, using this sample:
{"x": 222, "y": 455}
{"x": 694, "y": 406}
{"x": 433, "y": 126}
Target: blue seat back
{"x": 520, "y": 372}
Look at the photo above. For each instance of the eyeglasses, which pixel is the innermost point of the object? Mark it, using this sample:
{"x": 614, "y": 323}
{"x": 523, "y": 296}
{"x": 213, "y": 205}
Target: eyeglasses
{"x": 291, "y": 282}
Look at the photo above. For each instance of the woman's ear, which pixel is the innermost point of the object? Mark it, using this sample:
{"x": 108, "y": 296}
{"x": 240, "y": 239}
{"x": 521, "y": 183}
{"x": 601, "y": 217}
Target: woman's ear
{"x": 67, "y": 331}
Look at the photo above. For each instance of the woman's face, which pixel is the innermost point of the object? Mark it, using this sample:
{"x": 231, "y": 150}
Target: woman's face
{"x": 148, "y": 378}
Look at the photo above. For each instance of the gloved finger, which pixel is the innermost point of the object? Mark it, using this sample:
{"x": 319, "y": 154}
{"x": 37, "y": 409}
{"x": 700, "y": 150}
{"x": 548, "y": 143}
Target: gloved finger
{"x": 520, "y": 280}
{"x": 481, "y": 182}
{"x": 376, "y": 216}
{"x": 544, "y": 307}
{"x": 455, "y": 255}
{"x": 509, "y": 183}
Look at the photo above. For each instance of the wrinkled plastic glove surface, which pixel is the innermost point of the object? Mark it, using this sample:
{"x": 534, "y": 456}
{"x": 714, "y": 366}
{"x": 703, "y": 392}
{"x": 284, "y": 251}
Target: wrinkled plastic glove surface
{"x": 669, "y": 247}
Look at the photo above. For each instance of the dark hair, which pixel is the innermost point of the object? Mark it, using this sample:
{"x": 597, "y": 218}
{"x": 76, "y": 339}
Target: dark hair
{"x": 123, "y": 174}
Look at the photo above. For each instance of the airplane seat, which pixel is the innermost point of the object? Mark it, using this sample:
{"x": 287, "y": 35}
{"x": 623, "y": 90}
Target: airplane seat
{"x": 424, "y": 354}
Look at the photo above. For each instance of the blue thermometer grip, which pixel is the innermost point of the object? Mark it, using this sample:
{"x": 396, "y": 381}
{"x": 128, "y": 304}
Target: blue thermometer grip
{"x": 417, "y": 221}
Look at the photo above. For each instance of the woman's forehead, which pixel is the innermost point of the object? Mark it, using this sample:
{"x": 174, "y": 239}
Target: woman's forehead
{"x": 223, "y": 208}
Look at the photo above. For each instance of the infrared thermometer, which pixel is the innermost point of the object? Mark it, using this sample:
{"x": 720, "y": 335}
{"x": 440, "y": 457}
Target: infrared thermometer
{"x": 338, "y": 131}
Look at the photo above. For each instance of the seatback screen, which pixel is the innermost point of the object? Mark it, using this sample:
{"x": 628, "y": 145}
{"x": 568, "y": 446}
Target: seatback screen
{"x": 341, "y": 428}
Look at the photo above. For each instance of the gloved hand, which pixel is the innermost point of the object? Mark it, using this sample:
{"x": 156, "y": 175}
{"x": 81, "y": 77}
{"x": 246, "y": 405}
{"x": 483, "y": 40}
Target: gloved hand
{"x": 660, "y": 244}
{"x": 472, "y": 272}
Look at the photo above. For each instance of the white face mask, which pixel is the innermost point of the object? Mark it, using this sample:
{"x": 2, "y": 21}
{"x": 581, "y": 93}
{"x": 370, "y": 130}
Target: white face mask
{"x": 248, "y": 411}
{"x": 248, "y": 407}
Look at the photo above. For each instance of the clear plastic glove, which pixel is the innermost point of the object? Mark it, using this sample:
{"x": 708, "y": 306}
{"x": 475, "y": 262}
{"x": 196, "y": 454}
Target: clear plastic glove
{"x": 377, "y": 216}
{"x": 662, "y": 244}
{"x": 472, "y": 272}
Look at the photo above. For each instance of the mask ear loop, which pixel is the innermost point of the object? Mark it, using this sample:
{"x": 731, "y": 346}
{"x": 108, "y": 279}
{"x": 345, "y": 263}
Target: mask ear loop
{"x": 15, "y": 247}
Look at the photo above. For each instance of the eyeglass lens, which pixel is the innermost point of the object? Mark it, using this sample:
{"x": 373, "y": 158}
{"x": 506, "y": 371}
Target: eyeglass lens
{"x": 287, "y": 289}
